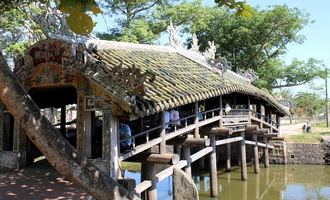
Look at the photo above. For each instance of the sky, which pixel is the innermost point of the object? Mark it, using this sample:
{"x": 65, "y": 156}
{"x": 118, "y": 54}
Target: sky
{"x": 317, "y": 34}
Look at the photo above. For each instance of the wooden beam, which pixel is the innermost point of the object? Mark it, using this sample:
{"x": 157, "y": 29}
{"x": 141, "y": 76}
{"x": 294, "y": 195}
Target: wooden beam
{"x": 166, "y": 158}
{"x": 213, "y": 168}
{"x": 189, "y": 141}
{"x": 221, "y": 131}
{"x": 256, "y": 154}
{"x": 228, "y": 140}
{"x": 251, "y": 128}
{"x": 129, "y": 184}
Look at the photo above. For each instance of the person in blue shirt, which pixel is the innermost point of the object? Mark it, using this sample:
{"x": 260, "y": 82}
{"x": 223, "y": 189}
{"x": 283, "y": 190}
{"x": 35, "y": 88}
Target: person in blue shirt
{"x": 125, "y": 137}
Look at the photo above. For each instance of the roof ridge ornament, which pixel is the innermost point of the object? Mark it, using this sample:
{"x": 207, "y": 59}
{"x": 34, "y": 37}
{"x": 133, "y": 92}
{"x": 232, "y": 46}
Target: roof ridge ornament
{"x": 54, "y": 25}
{"x": 220, "y": 64}
{"x": 129, "y": 78}
{"x": 194, "y": 44}
{"x": 249, "y": 74}
{"x": 210, "y": 52}
{"x": 172, "y": 36}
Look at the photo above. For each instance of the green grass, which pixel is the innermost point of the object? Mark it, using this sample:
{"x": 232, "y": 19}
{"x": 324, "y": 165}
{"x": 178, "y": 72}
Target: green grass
{"x": 131, "y": 166}
{"x": 315, "y": 136}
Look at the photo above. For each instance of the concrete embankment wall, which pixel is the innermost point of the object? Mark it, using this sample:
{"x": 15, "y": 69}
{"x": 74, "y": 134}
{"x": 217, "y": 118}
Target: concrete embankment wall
{"x": 305, "y": 153}
{"x": 301, "y": 153}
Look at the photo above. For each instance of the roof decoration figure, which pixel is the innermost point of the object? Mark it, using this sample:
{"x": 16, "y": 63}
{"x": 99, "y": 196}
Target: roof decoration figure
{"x": 210, "y": 52}
{"x": 172, "y": 35}
{"x": 220, "y": 64}
{"x": 249, "y": 74}
{"x": 194, "y": 45}
{"x": 53, "y": 24}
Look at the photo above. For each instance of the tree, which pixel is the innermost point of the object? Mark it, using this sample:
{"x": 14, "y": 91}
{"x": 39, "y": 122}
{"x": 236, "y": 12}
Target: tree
{"x": 308, "y": 104}
{"x": 258, "y": 41}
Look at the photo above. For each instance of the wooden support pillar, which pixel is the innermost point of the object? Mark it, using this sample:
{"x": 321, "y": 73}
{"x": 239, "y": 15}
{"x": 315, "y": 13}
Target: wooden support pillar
{"x": 2, "y": 117}
{"x": 162, "y": 145}
{"x": 196, "y": 133}
{"x": 278, "y": 123}
{"x": 262, "y": 115}
{"x": 256, "y": 154}
{"x": 213, "y": 168}
{"x": 228, "y": 161}
{"x": 248, "y": 103}
{"x": 257, "y": 177}
{"x": 19, "y": 144}
{"x": 150, "y": 174}
{"x": 266, "y": 154}
{"x": 258, "y": 109}
{"x": 186, "y": 154}
{"x": 80, "y": 122}
{"x": 88, "y": 133}
{"x": 243, "y": 158}
{"x": 220, "y": 105}
{"x": 63, "y": 120}
{"x": 110, "y": 149}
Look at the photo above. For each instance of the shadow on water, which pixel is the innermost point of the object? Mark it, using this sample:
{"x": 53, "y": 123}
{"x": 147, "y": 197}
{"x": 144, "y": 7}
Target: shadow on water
{"x": 290, "y": 182}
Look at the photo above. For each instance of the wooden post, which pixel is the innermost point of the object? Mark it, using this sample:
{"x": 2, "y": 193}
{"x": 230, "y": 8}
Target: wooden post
{"x": 220, "y": 105}
{"x": 196, "y": 133}
{"x": 243, "y": 158}
{"x": 63, "y": 120}
{"x": 162, "y": 146}
{"x": 266, "y": 155}
{"x": 248, "y": 103}
{"x": 256, "y": 154}
{"x": 186, "y": 154}
{"x": 88, "y": 133}
{"x": 110, "y": 150}
{"x": 262, "y": 115}
{"x": 271, "y": 120}
{"x": 151, "y": 175}
{"x": 80, "y": 122}
{"x": 278, "y": 123}
{"x": 228, "y": 162}
{"x": 258, "y": 109}
{"x": 19, "y": 144}
{"x": 257, "y": 176}
{"x": 2, "y": 117}
{"x": 213, "y": 168}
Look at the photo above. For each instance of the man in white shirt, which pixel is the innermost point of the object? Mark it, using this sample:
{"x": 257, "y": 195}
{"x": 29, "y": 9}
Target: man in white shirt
{"x": 166, "y": 116}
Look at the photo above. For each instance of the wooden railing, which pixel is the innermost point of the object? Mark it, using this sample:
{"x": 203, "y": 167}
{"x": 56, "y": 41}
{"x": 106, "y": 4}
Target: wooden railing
{"x": 235, "y": 117}
{"x": 264, "y": 120}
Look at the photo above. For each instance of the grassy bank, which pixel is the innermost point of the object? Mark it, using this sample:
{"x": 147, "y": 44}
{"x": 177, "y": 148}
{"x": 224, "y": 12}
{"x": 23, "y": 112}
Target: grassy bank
{"x": 318, "y": 131}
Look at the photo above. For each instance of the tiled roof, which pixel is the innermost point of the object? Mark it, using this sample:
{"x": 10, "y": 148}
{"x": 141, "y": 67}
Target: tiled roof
{"x": 180, "y": 79}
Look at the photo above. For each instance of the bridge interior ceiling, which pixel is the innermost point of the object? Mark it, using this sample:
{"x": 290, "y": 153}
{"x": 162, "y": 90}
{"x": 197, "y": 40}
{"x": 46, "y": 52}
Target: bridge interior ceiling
{"x": 54, "y": 97}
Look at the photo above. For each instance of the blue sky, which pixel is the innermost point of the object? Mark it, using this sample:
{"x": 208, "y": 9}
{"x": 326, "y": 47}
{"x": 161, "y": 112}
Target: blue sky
{"x": 317, "y": 43}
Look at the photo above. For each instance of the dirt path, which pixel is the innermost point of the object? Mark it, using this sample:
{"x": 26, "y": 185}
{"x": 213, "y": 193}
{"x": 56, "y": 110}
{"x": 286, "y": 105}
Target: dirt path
{"x": 291, "y": 129}
{"x": 36, "y": 182}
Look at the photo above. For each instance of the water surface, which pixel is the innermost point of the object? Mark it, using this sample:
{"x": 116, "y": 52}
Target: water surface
{"x": 279, "y": 182}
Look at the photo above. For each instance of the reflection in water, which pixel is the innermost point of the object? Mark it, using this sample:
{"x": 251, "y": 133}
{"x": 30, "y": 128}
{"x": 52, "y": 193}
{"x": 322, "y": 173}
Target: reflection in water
{"x": 279, "y": 182}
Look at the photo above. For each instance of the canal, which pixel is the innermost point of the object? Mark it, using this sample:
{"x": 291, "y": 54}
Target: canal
{"x": 279, "y": 182}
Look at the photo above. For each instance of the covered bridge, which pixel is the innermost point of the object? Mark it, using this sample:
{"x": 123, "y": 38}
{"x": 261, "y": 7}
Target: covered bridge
{"x": 107, "y": 84}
